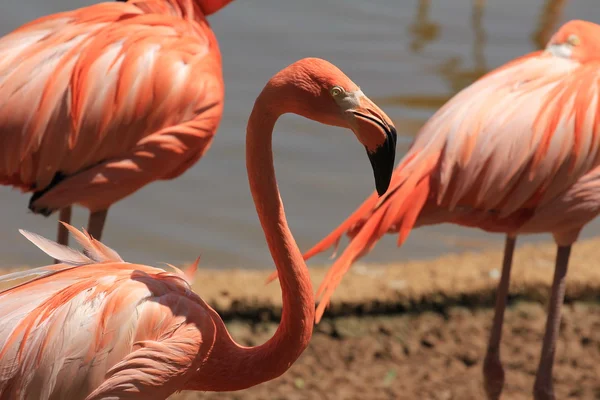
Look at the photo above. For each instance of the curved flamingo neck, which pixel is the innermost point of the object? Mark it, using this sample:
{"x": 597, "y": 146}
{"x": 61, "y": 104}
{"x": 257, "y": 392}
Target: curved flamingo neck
{"x": 297, "y": 320}
{"x": 234, "y": 367}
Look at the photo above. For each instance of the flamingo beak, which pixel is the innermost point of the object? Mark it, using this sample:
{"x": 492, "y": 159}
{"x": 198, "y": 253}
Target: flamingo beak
{"x": 378, "y": 134}
{"x": 382, "y": 161}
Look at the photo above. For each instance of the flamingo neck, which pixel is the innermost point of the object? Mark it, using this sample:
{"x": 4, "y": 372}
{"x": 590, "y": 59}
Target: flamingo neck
{"x": 185, "y": 9}
{"x": 196, "y": 8}
{"x": 234, "y": 367}
{"x": 211, "y": 6}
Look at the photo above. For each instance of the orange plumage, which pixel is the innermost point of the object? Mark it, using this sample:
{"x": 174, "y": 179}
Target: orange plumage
{"x": 100, "y": 101}
{"x": 516, "y": 152}
{"x": 96, "y": 327}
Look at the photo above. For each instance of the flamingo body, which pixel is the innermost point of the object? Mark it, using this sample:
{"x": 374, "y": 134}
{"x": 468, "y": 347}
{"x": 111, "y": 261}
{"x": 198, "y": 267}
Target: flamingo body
{"x": 97, "y": 102}
{"x": 516, "y": 152}
{"x": 96, "y": 327}
{"x": 96, "y": 332}
{"x": 507, "y": 157}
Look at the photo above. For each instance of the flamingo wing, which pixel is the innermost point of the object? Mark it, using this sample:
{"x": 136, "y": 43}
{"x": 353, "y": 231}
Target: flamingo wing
{"x": 101, "y": 85}
{"x": 107, "y": 330}
{"x": 516, "y": 138}
{"x": 171, "y": 356}
{"x": 510, "y": 143}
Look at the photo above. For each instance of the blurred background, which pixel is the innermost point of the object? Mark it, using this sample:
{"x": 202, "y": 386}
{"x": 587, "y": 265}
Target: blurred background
{"x": 408, "y": 56}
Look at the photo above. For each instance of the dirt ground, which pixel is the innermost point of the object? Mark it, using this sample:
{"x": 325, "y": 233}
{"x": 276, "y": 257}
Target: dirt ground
{"x": 429, "y": 356}
{"x": 418, "y": 330}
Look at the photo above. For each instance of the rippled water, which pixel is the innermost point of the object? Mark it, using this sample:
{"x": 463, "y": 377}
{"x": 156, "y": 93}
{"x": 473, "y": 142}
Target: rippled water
{"x": 409, "y": 56}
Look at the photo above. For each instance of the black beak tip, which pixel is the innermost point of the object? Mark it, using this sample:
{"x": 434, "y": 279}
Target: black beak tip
{"x": 383, "y": 177}
{"x": 382, "y": 161}
{"x": 382, "y": 187}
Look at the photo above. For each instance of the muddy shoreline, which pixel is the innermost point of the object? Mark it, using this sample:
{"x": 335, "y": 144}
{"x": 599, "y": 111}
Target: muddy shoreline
{"x": 428, "y": 356}
{"x": 464, "y": 280}
{"x": 418, "y": 330}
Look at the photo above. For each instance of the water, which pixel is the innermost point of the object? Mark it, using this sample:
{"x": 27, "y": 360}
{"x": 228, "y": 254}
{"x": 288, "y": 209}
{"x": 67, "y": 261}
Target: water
{"x": 410, "y": 56}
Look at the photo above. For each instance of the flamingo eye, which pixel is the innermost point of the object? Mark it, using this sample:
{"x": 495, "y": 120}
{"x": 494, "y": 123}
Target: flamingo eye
{"x": 336, "y": 91}
{"x": 573, "y": 40}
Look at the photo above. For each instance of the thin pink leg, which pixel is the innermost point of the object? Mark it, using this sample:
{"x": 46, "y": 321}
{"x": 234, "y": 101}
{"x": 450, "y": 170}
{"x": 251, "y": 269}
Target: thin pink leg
{"x": 63, "y": 233}
{"x": 96, "y": 223}
{"x": 543, "y": 388}
{"x": 493, "y": 373}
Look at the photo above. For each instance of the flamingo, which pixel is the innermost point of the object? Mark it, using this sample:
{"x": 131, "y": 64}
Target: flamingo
{"x": 516, "y": 152}
{"x": 96, "y": 327}
{"x": 100, "y": 101}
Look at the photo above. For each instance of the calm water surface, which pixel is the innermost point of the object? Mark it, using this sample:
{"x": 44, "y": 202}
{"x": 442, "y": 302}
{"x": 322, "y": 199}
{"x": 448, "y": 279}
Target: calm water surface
{"x": 410, "y": 56}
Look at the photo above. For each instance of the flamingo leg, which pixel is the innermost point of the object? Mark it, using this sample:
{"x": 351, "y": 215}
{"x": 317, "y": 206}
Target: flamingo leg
{"x": 96, "y": 223}
{"x": 493, "y": 373}
{"x": 543, "y": 387}
{"x": 63, "y": 233}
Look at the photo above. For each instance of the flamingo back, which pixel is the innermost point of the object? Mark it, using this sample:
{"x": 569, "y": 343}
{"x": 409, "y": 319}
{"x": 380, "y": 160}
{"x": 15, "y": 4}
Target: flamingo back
{"x": 97, "y": 330}
{"x": 92, "y": 85}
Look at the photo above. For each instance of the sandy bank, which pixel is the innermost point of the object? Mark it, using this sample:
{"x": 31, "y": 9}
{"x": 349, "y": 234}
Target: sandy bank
{"x": 428, "y": 328}
{"x": 418, "y": 330}
{"x": 467, "y": 279}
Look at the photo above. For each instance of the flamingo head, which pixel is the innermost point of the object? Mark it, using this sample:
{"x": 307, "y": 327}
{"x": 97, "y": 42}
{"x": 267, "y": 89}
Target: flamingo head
{"x": 320, "y": 91}
{"x": 577, "y": 40}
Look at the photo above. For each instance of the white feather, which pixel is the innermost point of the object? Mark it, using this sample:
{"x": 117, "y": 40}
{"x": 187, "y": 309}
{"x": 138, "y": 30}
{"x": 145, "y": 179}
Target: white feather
{"x": 57, "y": 251}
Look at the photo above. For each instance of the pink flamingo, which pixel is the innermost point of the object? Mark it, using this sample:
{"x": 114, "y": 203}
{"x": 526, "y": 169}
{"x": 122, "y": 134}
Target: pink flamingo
{"x": 516, "y": 152}
{"x": 100, "y": 101}
{"x": 96, "y": 327}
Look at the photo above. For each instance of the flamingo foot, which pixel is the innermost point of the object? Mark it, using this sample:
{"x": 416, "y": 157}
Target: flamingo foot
{"x": 543, "y": 391}
{"x": 493, "y": 375}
